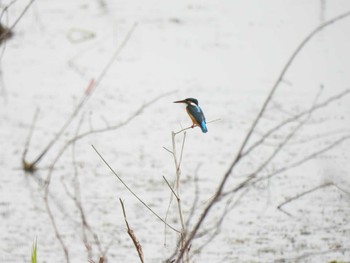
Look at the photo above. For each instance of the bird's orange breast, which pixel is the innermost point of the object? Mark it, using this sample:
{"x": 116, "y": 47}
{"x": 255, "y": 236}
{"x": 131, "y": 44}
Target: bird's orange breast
{"x": 192, "y": 118}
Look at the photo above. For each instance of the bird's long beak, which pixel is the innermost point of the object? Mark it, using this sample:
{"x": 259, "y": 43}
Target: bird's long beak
{"x": 180, "y": 101}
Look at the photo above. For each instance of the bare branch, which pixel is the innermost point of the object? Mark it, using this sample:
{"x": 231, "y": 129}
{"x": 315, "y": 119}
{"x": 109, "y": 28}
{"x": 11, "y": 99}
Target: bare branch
{"x": 289, "y": 200}
{"x": 341, "y": 189}
{"x": 132, "y": 235}
{"x": 168, "y": 150}
{"x": 87, "y": 94}
{"x": 177, "y": 163}
{"x": 287, "y": 167}
{"x": 279, "y": 207}
{"x": 123, "y": 123}
{"x": 9, "y": 30}
{"x": 172, "y": 190}
{"x": 283, "y": 72}
{"x": 283, "y": 143}
{"x": 63, "y": 128}
{"x": 295, "y": 118}
{"x": 114, "y": 127}
{"x": 57, "y": 233}
{"x": 27, "y": 166}
{"x": 306, "y": 158}
{"x": 176, "y": 188}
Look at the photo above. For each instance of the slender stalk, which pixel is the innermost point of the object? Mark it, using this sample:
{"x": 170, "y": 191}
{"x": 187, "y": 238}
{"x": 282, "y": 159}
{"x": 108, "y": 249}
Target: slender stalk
{"x": 27, "y": 166}
{"x": 132, "y": 192}
{"x": 177, "y": 186}
{"x": 132, "y": 235}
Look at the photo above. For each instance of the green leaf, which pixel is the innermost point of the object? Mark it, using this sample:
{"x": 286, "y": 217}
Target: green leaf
{"x": 34, "y": 252}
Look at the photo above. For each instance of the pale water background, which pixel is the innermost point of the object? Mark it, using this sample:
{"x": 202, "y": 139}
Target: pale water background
{"x": 227, "y": 54}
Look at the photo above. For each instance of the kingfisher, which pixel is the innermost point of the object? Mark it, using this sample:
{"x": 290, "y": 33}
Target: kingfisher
{"x": 195, "y": 112}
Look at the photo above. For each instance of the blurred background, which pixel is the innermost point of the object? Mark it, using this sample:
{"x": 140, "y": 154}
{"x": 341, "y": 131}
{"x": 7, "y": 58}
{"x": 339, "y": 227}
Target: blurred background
{"x": 142, "y": 57}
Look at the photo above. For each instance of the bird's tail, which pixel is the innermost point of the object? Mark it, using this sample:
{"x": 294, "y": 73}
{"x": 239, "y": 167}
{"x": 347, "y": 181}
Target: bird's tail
{"x": 204, "y": 127}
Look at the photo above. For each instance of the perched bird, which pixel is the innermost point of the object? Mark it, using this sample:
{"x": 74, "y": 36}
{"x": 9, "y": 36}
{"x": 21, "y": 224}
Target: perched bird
{"x": 195, "y": 112}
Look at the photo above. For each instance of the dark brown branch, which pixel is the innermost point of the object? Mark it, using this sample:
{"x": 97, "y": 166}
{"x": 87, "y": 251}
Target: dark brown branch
{"x": 132, "y": 235}
{"x": 8, "y": 31}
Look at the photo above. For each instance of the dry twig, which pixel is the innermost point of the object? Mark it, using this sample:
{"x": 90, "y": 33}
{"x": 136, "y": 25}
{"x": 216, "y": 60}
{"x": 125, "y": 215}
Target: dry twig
{"x": 176, "y": 188}
{"x": 55, "y": 227}
{"x": 27, "y": 166}
{"x": 8, "y": 31}
{"x": 132, "y": 235}
{"x": 87, "y": 94}
{"x": 279, "y": 207}
{"x": 132, "y": 192}
{"x": 296, "y": 117}
{"x": 306, "y": 158}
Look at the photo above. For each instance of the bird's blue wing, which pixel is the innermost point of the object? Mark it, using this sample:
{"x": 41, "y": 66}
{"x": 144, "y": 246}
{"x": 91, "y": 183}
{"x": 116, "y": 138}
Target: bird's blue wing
{"x": 197, "y": 116}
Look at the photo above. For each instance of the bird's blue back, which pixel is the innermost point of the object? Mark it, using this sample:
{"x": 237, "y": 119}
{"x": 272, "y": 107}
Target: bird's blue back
{"x": 197, "y": 113}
